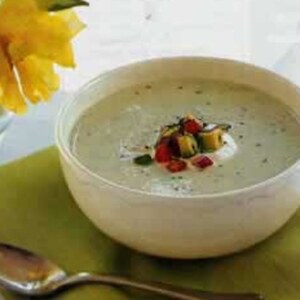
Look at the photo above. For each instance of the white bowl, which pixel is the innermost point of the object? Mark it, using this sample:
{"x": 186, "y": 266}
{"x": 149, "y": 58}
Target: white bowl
{"x": 185, "y": 226}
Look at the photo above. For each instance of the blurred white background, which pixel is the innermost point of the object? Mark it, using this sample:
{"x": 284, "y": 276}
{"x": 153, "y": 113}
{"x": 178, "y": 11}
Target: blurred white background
{"x": 264, "y": 32}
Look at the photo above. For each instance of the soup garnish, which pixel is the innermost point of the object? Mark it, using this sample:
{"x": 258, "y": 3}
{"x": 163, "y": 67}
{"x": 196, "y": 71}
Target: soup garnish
{"x": 183, "y": 145}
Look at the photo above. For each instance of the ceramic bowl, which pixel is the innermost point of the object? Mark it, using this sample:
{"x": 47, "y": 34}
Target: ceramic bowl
{"x": 185, "y": 227}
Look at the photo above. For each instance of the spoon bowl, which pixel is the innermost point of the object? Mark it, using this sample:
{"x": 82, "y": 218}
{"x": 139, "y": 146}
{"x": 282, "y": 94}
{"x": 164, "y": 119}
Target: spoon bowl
{"x": 28, "y": 274}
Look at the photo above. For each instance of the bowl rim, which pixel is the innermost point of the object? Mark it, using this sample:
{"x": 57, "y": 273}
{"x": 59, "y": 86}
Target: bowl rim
{"x": 65, "y": 151}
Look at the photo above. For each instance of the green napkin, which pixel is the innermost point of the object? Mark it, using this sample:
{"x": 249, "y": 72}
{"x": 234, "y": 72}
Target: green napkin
{"x": 37, "y": 212}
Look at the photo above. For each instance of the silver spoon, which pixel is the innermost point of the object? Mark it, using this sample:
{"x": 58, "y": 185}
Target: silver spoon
{"x": 28, "y": 274}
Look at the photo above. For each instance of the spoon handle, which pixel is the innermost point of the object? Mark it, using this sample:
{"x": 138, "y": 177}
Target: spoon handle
{"x": 154, "y": 287}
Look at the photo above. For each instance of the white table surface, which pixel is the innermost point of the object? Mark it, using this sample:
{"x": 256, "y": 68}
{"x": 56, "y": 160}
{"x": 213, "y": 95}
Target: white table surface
{"x": 264, "y": 32}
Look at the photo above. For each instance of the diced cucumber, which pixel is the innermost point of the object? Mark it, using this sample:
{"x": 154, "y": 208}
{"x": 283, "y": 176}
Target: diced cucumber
{"x": 212, "y": 140}
{"x": 187, "y": 145}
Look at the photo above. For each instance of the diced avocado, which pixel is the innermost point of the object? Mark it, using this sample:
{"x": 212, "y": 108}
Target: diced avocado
{"x": 187, "y": 145}
{"x": 212, "y": 140}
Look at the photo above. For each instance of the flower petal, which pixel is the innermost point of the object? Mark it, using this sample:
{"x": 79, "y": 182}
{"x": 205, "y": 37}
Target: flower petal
{"x": 15, "y": 16}
{"x": 4, "y": 70}
{"x": 72, "y": 21}
{"x": 48, "y": 38}
{"x": 38, "y": 78}
{"x": 11, "y": 97}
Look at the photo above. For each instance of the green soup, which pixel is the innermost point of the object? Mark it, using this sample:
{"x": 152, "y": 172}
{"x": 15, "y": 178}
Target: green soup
{"x": 264, "y": 138}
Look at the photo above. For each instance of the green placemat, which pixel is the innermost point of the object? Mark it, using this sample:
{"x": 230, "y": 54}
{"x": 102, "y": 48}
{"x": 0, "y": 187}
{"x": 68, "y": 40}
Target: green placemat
{"x": 37, "y": 212}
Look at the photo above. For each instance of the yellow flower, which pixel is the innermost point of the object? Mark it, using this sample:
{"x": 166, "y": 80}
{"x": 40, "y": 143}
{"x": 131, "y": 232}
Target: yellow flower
{"x": 32, "y": 41}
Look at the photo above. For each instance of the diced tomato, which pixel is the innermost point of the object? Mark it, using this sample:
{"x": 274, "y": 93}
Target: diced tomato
{"x": 202, "y": 162}
{"x": 163, "y": 153}
{"x": 192, "y": 126}
{"x": 176, "y": 165}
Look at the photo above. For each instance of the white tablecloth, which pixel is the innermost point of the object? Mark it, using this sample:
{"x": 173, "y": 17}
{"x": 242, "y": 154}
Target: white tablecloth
{"x": 264, "y": 32}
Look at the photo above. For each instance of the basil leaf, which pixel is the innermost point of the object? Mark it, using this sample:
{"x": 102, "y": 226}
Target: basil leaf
{"x": 57, "y": 5}
{"x": 143, "y": 160}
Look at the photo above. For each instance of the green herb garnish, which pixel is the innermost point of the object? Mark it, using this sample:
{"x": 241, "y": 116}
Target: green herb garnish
{"x": 225, "y": 127}
{"x": 143, "y": 160}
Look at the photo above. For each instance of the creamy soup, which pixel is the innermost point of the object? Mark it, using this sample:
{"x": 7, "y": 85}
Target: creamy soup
{"x": 263, "y": 141}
